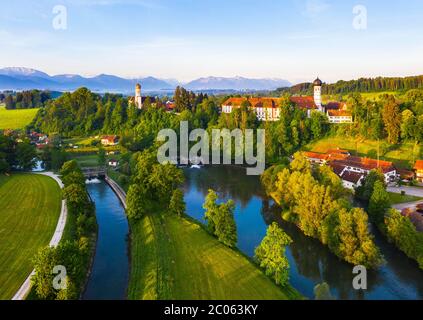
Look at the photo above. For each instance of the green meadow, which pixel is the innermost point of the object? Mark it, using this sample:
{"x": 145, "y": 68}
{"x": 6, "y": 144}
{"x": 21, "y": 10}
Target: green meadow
{"x": 16, "y": 119}
{"x": 30, "y": 206}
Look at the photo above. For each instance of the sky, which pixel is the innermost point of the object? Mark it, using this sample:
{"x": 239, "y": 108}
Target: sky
{"x": 295, "y": 40}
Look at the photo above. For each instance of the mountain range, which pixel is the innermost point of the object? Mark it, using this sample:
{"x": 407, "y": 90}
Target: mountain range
{"x": 17, "y": 78}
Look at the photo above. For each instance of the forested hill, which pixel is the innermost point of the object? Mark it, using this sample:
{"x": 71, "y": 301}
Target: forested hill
{"x": 361, "y": 85}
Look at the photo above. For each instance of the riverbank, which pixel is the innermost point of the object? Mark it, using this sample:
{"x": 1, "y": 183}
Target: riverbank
{"x": 173, "y": 258}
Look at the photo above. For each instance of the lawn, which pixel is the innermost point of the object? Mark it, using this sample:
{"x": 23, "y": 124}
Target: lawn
{"x": 29, "y": 210}
{"x": 366, "y": 95}
{"x": 174, "y": 258}
{"x": 16, "y": 119}
{"x": 397, "y": 198}
{"x": 86, "y": 161}
{"x": 401, "y": 155}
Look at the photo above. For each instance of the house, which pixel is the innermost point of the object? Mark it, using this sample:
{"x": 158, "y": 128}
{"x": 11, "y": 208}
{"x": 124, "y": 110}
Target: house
{"x": 266, "y": 109}
{"x": 339, "y": 116}
{"x": 317, "y": 158}
{"x": 352, "y": 170}
{"x": 113, "y": 163}
{"x": 352, "y": 180}
{"x": 110, "y": 140}
{"x": 418, "y": 167}
{"x": 170, "y": 105}
{"x": 365, "y": 165}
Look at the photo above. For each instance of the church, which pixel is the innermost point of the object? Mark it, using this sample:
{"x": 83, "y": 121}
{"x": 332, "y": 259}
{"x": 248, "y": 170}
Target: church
{"x": 138, "y": 100}
{"x": 267, "y": 109}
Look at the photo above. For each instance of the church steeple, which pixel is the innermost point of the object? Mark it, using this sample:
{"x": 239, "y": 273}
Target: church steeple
{"x": 318, "y": 93}
{"x": 138, "y": 97}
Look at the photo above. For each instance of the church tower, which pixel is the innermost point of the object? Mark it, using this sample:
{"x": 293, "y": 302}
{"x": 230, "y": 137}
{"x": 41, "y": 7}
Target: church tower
{"x": 318, "y": 93}
{"x": 138, "y": 97}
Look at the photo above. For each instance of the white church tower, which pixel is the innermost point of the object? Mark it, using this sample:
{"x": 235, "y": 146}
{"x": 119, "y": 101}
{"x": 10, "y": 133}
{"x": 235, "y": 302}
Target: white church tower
{"x": 138, "y": 97}
{"x": 318, "y": 93}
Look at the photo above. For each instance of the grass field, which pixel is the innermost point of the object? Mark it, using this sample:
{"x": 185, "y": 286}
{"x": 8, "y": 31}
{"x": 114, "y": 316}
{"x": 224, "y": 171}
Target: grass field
{"x": 374, "y": 96}
{"x": 16, "y": 119}
{"x": 401, "y": 155}
{"x": 29, "y": 209}
{"x": 173, "y": 258}
{"x": 397, "y": 198}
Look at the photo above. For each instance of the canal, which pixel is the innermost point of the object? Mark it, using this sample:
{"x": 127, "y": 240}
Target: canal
{"x": 110, "y": 271}
{"x": 311, "y": 262}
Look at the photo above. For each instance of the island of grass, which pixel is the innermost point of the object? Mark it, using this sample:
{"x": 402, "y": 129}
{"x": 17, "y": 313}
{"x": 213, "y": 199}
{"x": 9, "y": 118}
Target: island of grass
{"x": 173, "y": 258}
{"x": 30, "y": 206}
{"x": 16, "y": 119}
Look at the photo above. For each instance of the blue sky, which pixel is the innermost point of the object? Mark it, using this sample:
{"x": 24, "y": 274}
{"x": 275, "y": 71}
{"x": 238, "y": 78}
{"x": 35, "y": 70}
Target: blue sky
{"x": 186, "y": 39}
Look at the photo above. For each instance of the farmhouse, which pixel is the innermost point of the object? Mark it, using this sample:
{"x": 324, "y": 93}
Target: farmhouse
{"x": 418, "y": 167}
{"x": 113, "y": 163}
{"x": 352, "y": 170}
{"x": 268, "y": 109}
{"x": 110, "y": 140}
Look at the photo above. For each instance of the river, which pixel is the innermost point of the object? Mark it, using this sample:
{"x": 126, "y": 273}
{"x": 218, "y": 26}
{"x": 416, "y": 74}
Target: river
{"x": 311, "y": 262}
{"x": 110, "y": 272}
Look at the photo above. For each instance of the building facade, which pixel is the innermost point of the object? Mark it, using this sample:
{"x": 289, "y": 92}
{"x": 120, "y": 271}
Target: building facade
{"x": 268, "y": 109}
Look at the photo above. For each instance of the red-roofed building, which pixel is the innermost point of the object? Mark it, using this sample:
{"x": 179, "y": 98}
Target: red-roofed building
{"x": 110, "y": 140}
{"x": 418, "y": 167}
{"x": 317, "y": 158}
{"x": 339, "y": 116}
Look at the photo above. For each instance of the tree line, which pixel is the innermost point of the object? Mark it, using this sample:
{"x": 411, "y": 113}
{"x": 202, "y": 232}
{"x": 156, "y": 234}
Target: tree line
{"x": 26, "y": 99}
{"x": 75, "y": 250}
{"x": 16, "y": 154}
{"x": 325, "y": 213}
{"x": 397, "y": 227}
{"x": 378, "y": 84}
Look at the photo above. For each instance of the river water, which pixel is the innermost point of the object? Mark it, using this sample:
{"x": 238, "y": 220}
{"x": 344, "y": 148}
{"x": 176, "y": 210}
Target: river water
{"x": 311, "y": 262}
{"x": 110, "y": 271}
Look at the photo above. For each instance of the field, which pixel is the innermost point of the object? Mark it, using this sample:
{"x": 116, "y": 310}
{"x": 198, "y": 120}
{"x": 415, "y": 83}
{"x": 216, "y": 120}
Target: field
{"x": 29, "y": 209}
{"x": 173, "y": 258}
{"x": 366, "y": 95}
{"x": 401, "y": 155}
{"x": 16, "y": 119}
{"x": 397, "y": 198}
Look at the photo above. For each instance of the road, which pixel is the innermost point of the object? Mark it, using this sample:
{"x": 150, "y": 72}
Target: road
{"x": 412, "y": 191}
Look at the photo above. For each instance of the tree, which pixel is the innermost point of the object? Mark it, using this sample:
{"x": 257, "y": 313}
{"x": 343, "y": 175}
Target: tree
{"x": 270, "y": 254}
{"x": 68, "y": 167}
{"x": 25, "y": 156}
{"x": 211, "y": 210}
{"x": 77, "y": 198}
{"x": 226, "y": 231}
{"x": 379, "y": 203}
{"x": 392, "y": 120}
{"x": 177, "y": 203}
{"x": 44, "y": 262}
{"x": 365, "y": 191}
{"x": 137, "y": 201}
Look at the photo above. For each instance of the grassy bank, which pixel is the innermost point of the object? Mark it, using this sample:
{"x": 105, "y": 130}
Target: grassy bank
{"x": 29, "y": 209}
{"x": 16, "y": 119}
{"x": 397, "y": 198}
{"x": 174, "y": 258}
